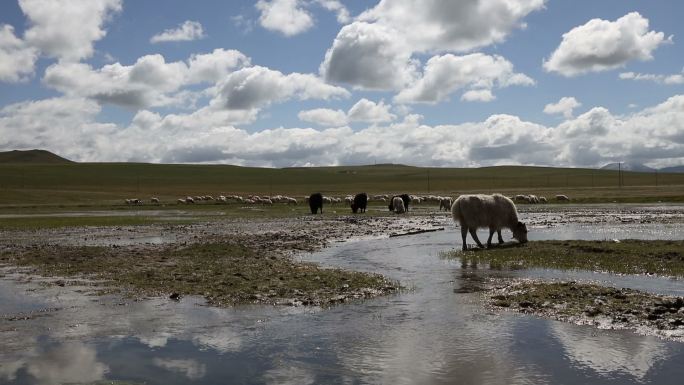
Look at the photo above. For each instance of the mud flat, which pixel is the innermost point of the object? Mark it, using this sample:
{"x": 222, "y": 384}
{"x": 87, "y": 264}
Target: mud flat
{"x": 226, "y": 262}
{"x": 587, "y": 304}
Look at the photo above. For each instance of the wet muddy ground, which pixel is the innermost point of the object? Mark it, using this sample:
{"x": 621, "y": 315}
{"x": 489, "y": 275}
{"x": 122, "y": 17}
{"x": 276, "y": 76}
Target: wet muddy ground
{"x": 226, "y": 262}
{"x": 443, "y": 323}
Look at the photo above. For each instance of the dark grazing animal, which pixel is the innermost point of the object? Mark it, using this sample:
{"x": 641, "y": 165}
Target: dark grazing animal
{"x": 404, "y": 197}
{"x": 360, "y": 202}
{"x": 316, "y": 202}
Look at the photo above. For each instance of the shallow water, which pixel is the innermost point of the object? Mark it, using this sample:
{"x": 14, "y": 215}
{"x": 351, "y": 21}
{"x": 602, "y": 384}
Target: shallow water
{"x": 437, "y": 332}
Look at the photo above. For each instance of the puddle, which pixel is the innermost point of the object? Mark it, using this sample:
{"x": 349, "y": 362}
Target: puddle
{"x": 437, "y": 332}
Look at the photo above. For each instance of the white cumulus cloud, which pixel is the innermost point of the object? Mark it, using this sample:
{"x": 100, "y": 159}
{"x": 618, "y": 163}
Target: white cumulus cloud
{"x": 256, "y": 87}
{"x": 368, "y": 56}
{"x": 67, "y": 29}
{"x": 69, "y": 127}
{"x": 324, "y": 117}
{"x": 364, "y": 111}
{"x": 149, "y": 82}
{"x": 336, "y": 6}
{"x": 17, "y": 59}
{"x": 378, "y": 50}
{"x": 601, "y": 45}
{"x": 288, "y": 17}
{"x": 188, "y": 31}
{"x": 565, "y": 106}
{"x": 657, "y": 78}
{"x": 370, "y": 112}
{"x": 445, "y": 74}
{"x": 446, "y": 25}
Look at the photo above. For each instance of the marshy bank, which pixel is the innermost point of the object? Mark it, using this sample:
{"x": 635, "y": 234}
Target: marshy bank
{"x": 226, "y": 262}
{"x": 440, "y": 330}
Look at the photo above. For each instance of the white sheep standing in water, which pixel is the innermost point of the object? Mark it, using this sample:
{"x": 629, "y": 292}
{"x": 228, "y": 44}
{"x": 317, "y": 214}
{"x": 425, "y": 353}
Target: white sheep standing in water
{"x": 487, "y": 211}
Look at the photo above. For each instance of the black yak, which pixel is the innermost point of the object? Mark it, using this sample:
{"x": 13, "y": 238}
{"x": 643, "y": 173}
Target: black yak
{"x": 316, "y": 202}
{"x": 360, "y": 202}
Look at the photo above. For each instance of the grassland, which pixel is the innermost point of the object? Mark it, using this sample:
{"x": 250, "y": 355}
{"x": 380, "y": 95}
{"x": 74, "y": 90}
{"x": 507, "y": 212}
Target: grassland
{"x": 102, "y": 184}
{"x": 626, "y": 257}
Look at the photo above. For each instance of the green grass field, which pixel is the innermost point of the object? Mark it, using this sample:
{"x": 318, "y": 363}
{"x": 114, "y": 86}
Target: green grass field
{"x": 97, "y": 184}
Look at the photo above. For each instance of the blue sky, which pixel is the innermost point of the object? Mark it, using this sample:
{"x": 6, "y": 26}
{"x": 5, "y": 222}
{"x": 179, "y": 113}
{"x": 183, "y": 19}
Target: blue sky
{"x": 322, "y": 82}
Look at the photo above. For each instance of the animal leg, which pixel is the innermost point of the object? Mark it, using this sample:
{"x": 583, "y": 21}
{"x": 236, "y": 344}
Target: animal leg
{"x": 473, "y": 233}
{"x": 464, "y": 234}
{"x": 500, "y": 237}
{"x": 489, "y": 240}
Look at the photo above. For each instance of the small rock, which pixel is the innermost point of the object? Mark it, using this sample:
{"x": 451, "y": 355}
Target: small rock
{"x": 592, "y": 311}
{"x": 525, "y": 304}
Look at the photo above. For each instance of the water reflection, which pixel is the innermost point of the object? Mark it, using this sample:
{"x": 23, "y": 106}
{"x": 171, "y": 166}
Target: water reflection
{"x": 610, "y": 353}
{"x": 191, "y": 369}
{"x": 69, "y": 362}
{"x": 438, "y": 332}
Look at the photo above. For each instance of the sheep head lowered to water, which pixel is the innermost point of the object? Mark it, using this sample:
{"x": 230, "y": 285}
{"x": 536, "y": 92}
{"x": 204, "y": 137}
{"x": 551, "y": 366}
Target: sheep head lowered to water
{"x": 493, "y": 212}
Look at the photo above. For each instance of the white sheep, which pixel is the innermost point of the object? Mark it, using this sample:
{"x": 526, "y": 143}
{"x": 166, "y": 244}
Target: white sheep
{"x": 154, "y": 200}
{"x": 398, "y": 205}
{"x": 291, "y": 201}
{"x": 180, "y": 201}
{"x": 487, "y": 211}
{"x": 561, "y": 197}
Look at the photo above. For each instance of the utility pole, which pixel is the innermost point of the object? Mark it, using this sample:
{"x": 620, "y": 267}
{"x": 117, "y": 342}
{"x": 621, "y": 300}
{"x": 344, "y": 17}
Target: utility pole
{"x": 428, "y": 181}
{"x": 619, "y": 174}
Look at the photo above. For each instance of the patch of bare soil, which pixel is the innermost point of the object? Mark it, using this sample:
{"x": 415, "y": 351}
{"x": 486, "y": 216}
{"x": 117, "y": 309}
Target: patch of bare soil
{"x": 226, "y": 262}
{"x": 589, "y": 304}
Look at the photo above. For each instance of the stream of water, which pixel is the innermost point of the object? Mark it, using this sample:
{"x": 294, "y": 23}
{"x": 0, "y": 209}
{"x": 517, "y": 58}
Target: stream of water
{"x": 434, "y": 333}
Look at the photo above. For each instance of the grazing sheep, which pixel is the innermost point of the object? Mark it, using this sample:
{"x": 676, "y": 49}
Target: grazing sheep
{"x": 404, "y": 197}
{"x": 360, "y": 203}
{"x": 543, "y": 200}
{"x": 562, "y": 198}
{"x": 291, "y": 201}
{"x": 189, "y": 200}
{"x": 487, "y": 211}
{"x": 398, "y": 205}
{"x": 348, "y": 200}
{"x": 316, "y": 203}
{"x": 154, "y": 200}
{"x": 180, "y": 201}
{"x": 445, "y": 203}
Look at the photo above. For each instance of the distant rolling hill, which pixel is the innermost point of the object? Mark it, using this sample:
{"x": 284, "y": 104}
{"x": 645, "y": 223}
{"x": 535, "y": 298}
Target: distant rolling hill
{"x": 638, "y": 167}
{"x": 628, "y": 166}
{"x": 673, "y": 169}
{"x": 32, "y": 156}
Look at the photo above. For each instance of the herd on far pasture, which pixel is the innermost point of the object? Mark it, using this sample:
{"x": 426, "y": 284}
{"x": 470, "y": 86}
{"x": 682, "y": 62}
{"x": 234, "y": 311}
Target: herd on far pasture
{"x": 471, "y": 212}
